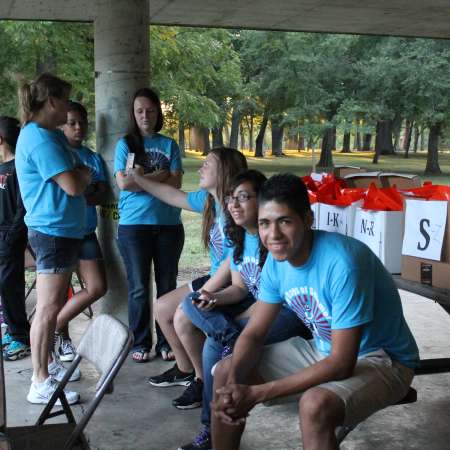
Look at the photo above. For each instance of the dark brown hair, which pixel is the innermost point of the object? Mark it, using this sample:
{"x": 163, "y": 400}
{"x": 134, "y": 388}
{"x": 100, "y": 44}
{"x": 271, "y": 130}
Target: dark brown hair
{"x": 9, "y": 131}
{"x": 234, "y": 232}
{"x": 80, "y": 109}
{"x": 134, "y": 139}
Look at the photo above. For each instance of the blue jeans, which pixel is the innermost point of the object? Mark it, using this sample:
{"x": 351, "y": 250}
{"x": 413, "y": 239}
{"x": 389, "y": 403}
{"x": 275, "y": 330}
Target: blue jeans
{"x": 286, "y": 325}
{"x": 217, "y": 323}
{"x": 140, "y": 245}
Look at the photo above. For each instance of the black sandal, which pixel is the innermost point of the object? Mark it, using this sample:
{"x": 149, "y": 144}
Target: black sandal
{"x": 144, "y": 356}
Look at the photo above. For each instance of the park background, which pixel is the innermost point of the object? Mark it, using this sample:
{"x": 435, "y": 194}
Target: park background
{"x": 289, "y": 101}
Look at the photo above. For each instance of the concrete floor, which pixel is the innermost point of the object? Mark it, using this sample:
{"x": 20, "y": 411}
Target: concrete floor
{"x": 139, "y": 417}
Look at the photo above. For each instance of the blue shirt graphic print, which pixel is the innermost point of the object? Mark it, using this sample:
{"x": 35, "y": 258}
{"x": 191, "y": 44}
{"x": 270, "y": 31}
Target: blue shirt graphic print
{"x": 218, "y": 249}
{"x": 305, "y": 303}
{"x": 142, "y": 208}
{"x": 249, "y": 266}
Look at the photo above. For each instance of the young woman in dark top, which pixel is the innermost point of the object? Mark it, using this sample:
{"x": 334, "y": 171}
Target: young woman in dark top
{"x": 13, "y": 241}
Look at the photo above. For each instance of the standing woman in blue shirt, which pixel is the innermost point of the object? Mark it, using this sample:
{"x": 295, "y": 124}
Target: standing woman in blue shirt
{"x": 91, "y": 268}
{"x": 149, "y": 229}
{"x": 52, "y": 181}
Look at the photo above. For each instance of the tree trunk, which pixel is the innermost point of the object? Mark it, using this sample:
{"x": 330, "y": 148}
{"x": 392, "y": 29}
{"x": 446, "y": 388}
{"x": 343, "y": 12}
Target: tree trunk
{"x": 260, "y": 138}
{"x": 217, "y": 136}
{"x": 301, "y": 142}
{"x": 277, "y": 137}
{"x": 205, "y": 141}
{"x": 432, "y": 167}
{"x": 346, "y": 143}
{"x": 416, "y": 138}
{"x": 181, "y": 140}
{"x": 234, "y": 134}
{"x": 407, "y": 137}
{"x": 367, "y": 142}
{"x": 326, "y": 153}
{"x": 383, "y": 140}
{"x": 422, "y": 138}
{"x": 396, "y": 129}
{"x": 357, "y": 142}
{"x": 242, "y": 134}
{"x": 250, "y": 134}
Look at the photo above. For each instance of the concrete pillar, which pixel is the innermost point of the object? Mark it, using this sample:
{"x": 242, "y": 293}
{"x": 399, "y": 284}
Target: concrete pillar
{"x": 121, "y": 33}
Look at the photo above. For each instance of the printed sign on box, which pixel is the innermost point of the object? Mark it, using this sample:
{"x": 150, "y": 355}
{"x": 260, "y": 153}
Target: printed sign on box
{"x": 382, "y": 232}
{"x": 425, "y": 223}
{"x": 337, "y": 218}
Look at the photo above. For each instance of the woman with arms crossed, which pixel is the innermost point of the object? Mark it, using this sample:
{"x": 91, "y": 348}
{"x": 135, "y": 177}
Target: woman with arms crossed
{"x": 52, "y": 182}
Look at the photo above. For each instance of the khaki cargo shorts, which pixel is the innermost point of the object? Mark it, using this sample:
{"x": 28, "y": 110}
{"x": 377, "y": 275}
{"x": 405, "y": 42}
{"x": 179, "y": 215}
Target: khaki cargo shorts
{"x": 377, "y": 381}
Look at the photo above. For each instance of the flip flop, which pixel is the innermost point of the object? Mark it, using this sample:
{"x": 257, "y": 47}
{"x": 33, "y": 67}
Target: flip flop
{"x": 140, "y": 356}
{"x": 167, "y": 355}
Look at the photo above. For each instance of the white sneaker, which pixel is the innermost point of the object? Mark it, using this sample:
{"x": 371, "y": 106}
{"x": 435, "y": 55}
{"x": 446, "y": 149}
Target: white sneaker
{"x": 57, "y": 371}
{"x": 40, "y": 393}
{"x": 66, "y": 350}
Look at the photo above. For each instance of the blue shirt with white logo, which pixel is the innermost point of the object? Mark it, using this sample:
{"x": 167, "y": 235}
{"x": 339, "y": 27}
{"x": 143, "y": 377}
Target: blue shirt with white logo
{"x": 218, "y": 249}
{"x": 342, "y": 285}
{"x": 40, "y": 155}
{"x": 142, "y": 208}
{"x": 248, "y": 267}
{"x": 95, "y": 163}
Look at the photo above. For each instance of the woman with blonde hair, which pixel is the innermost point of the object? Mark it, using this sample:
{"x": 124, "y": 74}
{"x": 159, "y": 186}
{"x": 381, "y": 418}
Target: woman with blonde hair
{"x": 52, "y": 181}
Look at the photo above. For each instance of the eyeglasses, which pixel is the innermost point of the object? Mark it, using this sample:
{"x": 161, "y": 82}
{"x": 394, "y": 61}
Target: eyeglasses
{"x": 240, "y": 198}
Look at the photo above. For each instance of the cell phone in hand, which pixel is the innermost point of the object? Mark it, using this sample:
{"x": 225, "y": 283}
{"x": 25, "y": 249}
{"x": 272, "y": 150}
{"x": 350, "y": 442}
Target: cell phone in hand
{"x": 130, "y": 161}
{"x": 195, "y": 296}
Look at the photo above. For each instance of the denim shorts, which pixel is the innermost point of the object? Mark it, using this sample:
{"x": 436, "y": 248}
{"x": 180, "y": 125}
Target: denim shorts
{"x": 90, "y": 248}
{"x": 54, "y": 254}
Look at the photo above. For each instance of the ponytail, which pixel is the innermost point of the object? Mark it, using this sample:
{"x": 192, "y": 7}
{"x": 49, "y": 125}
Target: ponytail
{"x": 32, "y": 96}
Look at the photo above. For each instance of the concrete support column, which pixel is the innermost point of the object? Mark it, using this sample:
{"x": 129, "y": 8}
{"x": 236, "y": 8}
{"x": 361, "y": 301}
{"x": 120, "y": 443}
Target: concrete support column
{"x": 121, "y": 33}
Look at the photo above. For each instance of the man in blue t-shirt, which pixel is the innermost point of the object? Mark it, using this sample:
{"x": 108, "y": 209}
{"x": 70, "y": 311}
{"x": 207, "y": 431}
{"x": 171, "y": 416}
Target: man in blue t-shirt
{"x": 363, "y": 354}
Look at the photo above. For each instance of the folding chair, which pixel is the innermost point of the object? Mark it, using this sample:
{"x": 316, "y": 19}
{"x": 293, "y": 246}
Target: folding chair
{"x": 105, "y": 344}
{"x": 30, "y": 265}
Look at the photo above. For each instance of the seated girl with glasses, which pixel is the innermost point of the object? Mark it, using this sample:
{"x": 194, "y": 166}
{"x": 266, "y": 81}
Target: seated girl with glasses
{"x": 222, "y": 315}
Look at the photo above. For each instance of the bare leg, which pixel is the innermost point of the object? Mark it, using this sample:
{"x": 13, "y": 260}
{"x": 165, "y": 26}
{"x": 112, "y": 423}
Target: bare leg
{"x": 224, "y": 437}
{"x": 51, "y": 290}
{"x": 320, "y": 412}
{"x": 92, "y": 272}
{"x": 165, "y": 312}
{"x": 192, "y": 340}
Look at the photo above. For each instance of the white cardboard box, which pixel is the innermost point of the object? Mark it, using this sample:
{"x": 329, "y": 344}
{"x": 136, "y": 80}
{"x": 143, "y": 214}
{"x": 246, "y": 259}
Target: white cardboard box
{"x": 382, "y": 231}
{"x": 337, "y": 218}
{"x": 425, "y": 223}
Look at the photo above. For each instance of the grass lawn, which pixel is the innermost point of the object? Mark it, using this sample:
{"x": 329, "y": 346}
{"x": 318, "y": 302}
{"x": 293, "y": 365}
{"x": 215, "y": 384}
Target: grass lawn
{"x": 194, "y": 257}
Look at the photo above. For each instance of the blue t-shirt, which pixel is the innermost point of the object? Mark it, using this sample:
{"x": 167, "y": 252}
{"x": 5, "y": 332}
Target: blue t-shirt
{"x": 248, "y": 267}
{"x": 218, "y": 248}
{"x": 40, "y": 155}
{"x": 342, "y": 285}
{"x": 142, "y": 208}
{"x": 95, "y": 163}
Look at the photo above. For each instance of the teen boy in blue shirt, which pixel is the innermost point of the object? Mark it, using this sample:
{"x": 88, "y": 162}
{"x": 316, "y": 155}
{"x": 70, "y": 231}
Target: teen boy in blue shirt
{"x": 363, "y": 354}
